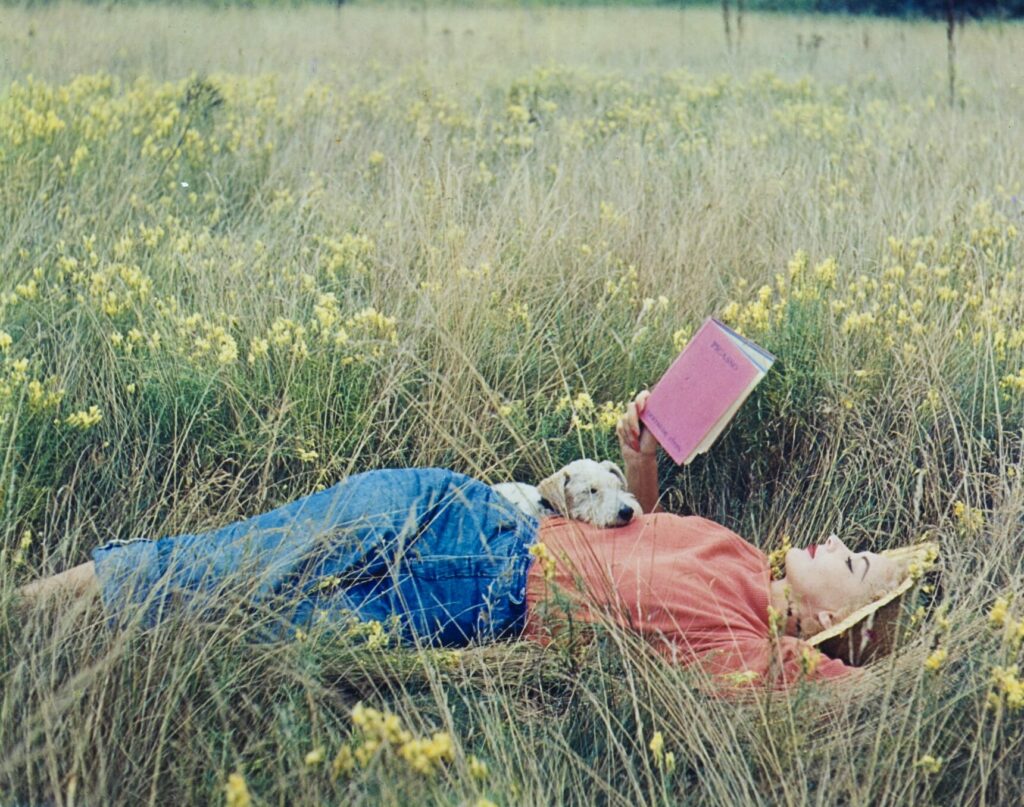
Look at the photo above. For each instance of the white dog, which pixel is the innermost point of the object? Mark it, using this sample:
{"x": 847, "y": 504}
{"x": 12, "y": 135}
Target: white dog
{"x": 584, "y": 490}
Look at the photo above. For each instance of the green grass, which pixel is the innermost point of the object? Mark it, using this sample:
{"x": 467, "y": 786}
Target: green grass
{"x": 496, "y": 200}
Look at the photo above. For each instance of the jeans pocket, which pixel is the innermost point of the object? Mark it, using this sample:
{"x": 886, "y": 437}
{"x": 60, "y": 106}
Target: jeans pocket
{"x": 457, "y": 566}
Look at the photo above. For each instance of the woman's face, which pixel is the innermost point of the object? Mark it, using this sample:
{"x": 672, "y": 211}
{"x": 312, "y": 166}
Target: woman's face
{"x": 828, "y": 578}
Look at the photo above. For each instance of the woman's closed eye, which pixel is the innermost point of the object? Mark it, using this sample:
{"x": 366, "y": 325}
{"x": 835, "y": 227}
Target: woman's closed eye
{"x": 867, "y": 566}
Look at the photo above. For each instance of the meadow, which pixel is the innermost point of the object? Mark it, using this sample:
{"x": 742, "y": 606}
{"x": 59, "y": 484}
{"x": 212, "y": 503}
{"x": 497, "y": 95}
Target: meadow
{"x": 244, "y": 253}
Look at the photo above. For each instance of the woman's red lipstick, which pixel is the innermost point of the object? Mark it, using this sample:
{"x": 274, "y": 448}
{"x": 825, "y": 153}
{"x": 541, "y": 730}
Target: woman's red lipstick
{"x": 812, "y": 549}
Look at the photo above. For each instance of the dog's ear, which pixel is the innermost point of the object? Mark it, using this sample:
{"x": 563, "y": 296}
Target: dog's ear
{"x": 554, "y": 490}
{"x": 615, "y": 469}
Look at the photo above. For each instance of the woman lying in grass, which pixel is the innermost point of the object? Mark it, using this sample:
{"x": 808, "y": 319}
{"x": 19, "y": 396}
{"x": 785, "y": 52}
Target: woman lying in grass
{"x": 451, "y": 562}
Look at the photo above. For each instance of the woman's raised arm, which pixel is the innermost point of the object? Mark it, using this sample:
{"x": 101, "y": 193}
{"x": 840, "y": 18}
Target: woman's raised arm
{"x": 639, "y": 455}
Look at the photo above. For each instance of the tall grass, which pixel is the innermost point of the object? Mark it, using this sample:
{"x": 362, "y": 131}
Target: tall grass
{"x": 275, "y": 248}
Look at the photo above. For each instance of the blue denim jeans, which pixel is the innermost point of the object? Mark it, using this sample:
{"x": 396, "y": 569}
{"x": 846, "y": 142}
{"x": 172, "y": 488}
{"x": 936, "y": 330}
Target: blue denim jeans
{"x": 439, "y": 554}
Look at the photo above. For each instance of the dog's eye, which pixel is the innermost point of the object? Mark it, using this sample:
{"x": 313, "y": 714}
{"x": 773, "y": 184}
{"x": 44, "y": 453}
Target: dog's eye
{"x": 593, "y": 491}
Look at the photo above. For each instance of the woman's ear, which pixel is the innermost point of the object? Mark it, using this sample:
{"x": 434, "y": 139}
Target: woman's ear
{"x": 554, "y": 490}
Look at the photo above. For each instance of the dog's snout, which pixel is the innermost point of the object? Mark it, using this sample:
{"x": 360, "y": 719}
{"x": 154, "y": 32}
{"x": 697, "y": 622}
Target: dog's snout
{"x": 626, "y": 514}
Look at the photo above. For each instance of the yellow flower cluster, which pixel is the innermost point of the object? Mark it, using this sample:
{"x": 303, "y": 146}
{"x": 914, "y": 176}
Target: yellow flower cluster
{"x": 543, "y": 556}
{"x": 348, "y": 254}
{"x": 85, "y": 419}
{"x": 929, "y": 764}
{"x": 372, "y": 632}
{"x": 777, "y": 558}
{"x": 1000, "y": 617}
{"x": 588, "y": 416}
{"x": 17, "y": 374}
{"x": 809, "y": 661}
{"x": 742, "y": 678}
{"x": 43, "y": 397}
{"x": 906, "y": 301}
{"x": 424, "y": 755}
{"x": 1013, "y": 381}
{"x": 315, "y": 757}
{"x": 18, "y": 559}
{"x": 936, "y": 660}
{"x": 1007, "y": 685}
{"x": 382, "y": 734}
{"x": 236, "y": 792}
{"x": 663, "y": 760}
{"x": 367, "y": 329}
{"x": 969, "y": 519}
{"x": 215, "y": 341}
{"x": 114, "y": 288}
{"x": 625, "y": 287}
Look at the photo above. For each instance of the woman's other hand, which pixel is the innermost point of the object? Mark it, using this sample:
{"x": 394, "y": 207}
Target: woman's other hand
{"x": 635, "y": 440}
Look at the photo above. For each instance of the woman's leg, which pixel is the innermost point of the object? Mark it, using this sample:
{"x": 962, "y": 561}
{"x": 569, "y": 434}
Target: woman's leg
{"x": 392, "y": 527}
{"x": 79, "y": 582}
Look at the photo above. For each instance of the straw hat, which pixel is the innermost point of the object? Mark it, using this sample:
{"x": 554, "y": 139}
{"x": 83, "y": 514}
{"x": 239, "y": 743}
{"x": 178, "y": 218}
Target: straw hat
{"x": 875, "y": 629}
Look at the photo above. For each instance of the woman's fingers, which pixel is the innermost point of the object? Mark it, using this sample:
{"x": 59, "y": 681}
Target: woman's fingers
{"x": 625, "y": 433}
{"x": 628, "y": 428}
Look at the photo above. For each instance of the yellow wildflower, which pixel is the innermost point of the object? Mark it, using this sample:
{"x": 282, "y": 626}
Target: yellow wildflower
{"x": 742, "y": 678}
{"x": 797, "y": 264}
{"x": 825, "y": 272}
{"x": 328, "y": 583}
{"x": 1000, "y": 609}
{"x": 477, "y": 768}
{"x": 657, "y": 746}
{"x": 258, "y": 348}
{"x": 236, "y": 792}
{"x": 315, "y": 757}
{"x": 85, "y": 420}
{"x": 929, "y": 764}
{"x": 777, "y": 558}
{"x": 5, "y": 340}
{"x": 1007, "y": 683}
{"x": 608, "y": 415}
{"x": 935, "y": 661}
{"x": 969, "y": 519}
{"x": 809, "y": 661}
{"x": 365, "y": 752}
{"x": 540, "y": 552}
{"x": 344, "y": 763}
{"x": 680, "y": 338}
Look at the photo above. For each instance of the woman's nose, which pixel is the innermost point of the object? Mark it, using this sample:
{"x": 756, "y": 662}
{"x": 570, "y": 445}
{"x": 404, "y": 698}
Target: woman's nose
{"x": 832, "y": 543}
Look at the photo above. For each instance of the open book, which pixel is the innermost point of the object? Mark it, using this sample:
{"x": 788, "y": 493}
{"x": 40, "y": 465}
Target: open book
{"x": 701, "y": 391}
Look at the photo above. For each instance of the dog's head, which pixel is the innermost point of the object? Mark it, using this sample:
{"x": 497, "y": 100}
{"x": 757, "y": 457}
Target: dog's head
{"x": 591, "y": 491}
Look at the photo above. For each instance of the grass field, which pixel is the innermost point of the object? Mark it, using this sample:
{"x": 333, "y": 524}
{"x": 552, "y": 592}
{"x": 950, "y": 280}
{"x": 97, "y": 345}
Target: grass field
{"x": 245, "y": 253}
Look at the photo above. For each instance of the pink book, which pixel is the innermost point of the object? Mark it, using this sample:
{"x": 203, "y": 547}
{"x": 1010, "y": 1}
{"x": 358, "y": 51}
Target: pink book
{"x": 699, "y": 394}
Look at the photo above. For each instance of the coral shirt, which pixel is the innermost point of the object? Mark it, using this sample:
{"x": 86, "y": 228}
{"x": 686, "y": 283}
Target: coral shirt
{"x": 694, "y": 590}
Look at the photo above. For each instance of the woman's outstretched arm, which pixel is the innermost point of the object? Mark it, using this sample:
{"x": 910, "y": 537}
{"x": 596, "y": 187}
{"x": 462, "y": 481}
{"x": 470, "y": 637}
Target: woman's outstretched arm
{"x": 639, "y": 455}
{"x": 78, "y": 581}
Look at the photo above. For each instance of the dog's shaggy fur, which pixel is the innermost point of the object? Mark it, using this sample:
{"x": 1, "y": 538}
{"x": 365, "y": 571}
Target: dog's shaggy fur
{"x": 584, "y": 490}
